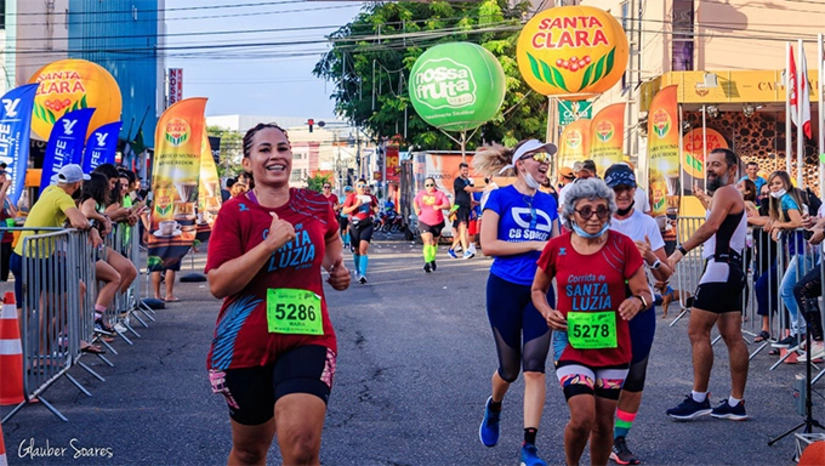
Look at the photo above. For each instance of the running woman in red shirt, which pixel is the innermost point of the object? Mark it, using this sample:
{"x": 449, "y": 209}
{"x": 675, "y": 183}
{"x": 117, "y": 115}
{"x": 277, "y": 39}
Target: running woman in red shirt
{"x": 274, "y": 349}
{"x": 591, "y": 265}
{"x": 429, "y": 203}
{"x": 361, "y": 206}
{"x": 331, "y": 197}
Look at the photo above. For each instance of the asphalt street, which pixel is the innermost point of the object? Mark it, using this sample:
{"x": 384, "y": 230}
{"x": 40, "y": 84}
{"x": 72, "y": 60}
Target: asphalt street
{"x": 415, "y": 358}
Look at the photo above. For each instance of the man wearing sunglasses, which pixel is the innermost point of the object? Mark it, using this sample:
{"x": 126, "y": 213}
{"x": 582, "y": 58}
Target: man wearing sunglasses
{"x": 463, "y": 189}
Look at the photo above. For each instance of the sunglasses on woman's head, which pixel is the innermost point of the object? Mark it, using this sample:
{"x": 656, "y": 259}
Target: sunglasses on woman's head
{"x": 602, "y": 212}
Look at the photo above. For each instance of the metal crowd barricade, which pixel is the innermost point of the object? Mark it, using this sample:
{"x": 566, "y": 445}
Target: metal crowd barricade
{"x": 800, "y": 263}
{"x": 54, "y": 316}
{"x": 125, "y": 240}
{"x": 689, "y": 269}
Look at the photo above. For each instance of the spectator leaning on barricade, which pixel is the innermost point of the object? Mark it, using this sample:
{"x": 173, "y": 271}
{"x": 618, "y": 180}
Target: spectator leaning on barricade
{"x": 52, "y": 210}
{"x": 118, "y": 214}
{"x": 785, "y": 210}
{"x": 7, "y": 214}
{"x": 93, "y": 201}
{"x": 809, "y": 289}
{"x": 764, "y": 270}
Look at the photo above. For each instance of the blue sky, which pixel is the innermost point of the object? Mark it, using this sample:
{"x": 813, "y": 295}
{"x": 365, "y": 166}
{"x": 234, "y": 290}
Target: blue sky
{"x": 249, "y": 81}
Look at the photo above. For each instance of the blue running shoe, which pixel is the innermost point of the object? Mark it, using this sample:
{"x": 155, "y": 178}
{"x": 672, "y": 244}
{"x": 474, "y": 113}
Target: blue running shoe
{"x": 451, "y": 253}
{"x": 690, "y": 409}
{"x": 530, "y": 456}
{"x": 726, "y": 411}
{"x": 488, "y": 431}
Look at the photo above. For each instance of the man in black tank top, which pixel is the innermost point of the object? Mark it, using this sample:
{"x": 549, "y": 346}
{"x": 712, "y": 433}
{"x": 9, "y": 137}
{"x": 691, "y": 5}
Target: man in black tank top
{"x": 718, "y": 298}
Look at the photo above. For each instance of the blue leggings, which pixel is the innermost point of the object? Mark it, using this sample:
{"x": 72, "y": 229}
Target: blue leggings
{"x": 511, "y": 313}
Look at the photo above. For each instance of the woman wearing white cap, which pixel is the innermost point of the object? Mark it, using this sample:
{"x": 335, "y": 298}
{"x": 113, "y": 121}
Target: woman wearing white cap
{"x": 517, "y": 222}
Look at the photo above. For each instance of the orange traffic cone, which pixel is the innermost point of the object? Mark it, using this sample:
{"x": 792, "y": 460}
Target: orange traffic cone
{"x": 11, "y": 354}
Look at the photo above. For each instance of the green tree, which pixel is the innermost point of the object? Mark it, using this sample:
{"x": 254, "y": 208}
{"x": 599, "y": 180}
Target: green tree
{"x": 231, "y": 149}
{"x": 371, "y": 75}
{"x": 316, "y": 183}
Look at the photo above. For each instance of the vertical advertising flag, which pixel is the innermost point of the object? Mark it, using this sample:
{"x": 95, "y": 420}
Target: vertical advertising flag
{"x": 15, "y": 124}
{"x": 101, "y": 146}
{"x": 178, "y": 147}
{"x": 575, "y": 143}
{"x": 209, "y": 192}
{"x": 607, "y": 137}
{"x": 65, "y": 144}
{"x": 663, "y": 151}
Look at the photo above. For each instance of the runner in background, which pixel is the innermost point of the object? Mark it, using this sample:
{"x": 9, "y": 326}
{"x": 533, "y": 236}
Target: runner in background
{"x": 644, "y": 232}
{"x": 428, "y": 204}
{"x": 331, "y": 197}
{"x": 361, "y": 206}
{"x": 718, "y": 298}
{"x": 462, "y": 189}
{"x": 593, "y": 268}
{"x": 274, "y": 351}
{"x": 473, "y": 230}
{"x": 343, "y": 219}
{"x": 518, "y": 221}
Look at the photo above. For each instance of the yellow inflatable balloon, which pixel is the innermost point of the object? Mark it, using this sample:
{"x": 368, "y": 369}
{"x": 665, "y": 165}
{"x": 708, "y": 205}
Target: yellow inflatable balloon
{"x": 572, "y": 52}
{"x": 68, "y": 85}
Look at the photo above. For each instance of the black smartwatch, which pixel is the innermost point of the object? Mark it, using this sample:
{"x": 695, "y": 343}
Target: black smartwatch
{"x": 682, "y": 250}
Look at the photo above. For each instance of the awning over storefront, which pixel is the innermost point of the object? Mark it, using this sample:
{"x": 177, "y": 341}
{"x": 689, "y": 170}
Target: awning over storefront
{"x": 733, "y": 87}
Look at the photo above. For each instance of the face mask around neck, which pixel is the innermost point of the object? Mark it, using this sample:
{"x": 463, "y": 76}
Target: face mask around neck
{"x": 580, "y": 231}
{"x": 779, "y": 194}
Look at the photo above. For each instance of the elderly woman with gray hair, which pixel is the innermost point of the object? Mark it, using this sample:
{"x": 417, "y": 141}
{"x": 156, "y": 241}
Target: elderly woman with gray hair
{"x": 602, "y": 285}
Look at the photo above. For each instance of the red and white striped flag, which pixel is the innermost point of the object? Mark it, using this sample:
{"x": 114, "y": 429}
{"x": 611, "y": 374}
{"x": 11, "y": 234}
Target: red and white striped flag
{"x": 800, "y": 94}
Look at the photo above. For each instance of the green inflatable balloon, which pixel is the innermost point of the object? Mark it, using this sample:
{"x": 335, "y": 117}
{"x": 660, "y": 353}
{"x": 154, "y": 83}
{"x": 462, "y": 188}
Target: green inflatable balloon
{"x": 457, "y": 86}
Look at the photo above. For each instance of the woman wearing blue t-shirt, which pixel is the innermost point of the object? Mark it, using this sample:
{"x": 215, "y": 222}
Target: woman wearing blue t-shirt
{"x": 786, "y": 210}
{"x": 517, "y": 222}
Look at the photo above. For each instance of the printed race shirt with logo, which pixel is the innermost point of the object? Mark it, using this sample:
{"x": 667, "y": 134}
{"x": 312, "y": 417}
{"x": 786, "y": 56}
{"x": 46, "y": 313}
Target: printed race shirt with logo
{"x": 521, "y": 219}
{"x": 593, "y": 283}
{"x": 242, "y": 337}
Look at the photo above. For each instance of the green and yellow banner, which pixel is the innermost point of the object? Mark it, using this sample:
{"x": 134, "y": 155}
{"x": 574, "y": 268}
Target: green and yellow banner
{"x": 607, "y": 137}
{"x": 663, "y": 151}
{"x": 574, "y": 145}
{"x": 175, "y": 173}
{"x": 209, "y": 191}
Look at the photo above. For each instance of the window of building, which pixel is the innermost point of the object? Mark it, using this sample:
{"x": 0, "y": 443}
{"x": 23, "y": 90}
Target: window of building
{"x": 3, "y": 15}
{"x": 625, "y": 13}
{"x": 134, "y": 12}
{"x": 682, "y": 53}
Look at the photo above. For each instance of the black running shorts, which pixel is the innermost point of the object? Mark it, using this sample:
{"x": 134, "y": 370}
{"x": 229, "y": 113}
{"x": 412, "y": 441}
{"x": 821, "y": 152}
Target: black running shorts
{"x": 720, "y": 288}
{"x": 434, "y": 230}
{"x": 251, "y": 393}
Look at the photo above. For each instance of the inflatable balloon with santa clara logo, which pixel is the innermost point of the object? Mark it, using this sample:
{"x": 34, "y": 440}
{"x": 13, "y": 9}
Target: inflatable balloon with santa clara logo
{"x": 73, "y": 84}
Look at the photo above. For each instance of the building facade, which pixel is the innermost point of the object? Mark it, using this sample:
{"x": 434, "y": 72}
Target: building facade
{"x": 332, "y": 150}
{"x": 36, "y": 34}
{"x": 126, "y": 38}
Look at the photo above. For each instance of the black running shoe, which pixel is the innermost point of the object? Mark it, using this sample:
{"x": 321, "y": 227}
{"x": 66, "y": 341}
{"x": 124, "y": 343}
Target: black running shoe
{"x": 726, "y": 411}
{"x": 433, "y": 266}
{"x": 427, "y": 267}
{"x": 103, "y": 328}
{"x": 621, "y": 454}
{"x": 787, "y": 342}
{"x": 362, "y": 280}
{"x": 690, "y": 409}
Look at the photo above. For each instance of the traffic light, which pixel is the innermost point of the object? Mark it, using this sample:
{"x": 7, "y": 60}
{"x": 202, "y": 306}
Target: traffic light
{"x": 310, "y": 122}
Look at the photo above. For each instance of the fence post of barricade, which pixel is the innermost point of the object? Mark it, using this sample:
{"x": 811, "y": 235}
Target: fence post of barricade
{"x": 81, "y": 268}
{"x": 11, "y": 354}
{"x": 136, "y": 305}
{"x": 786, "y": 320}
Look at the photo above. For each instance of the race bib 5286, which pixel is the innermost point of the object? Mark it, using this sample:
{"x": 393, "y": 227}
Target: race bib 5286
{"x": 294, "y": 311}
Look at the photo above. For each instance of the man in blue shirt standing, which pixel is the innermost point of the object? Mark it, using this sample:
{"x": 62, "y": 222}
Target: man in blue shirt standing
{"x": 752, "y": 170}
